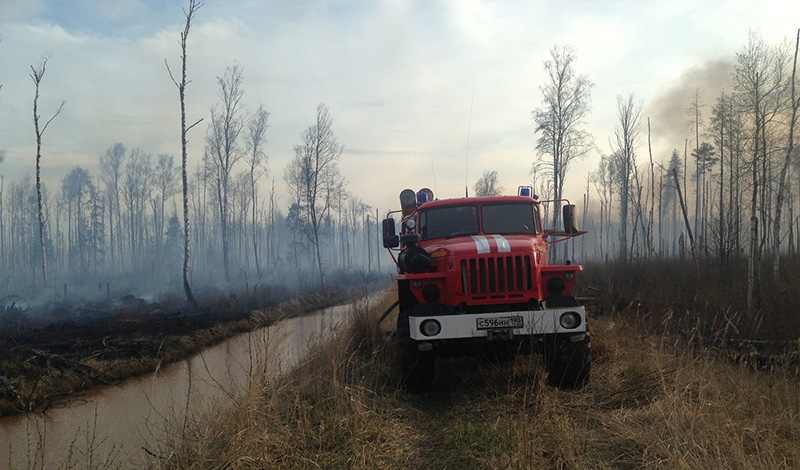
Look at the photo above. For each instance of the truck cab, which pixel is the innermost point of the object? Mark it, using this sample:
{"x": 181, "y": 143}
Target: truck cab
{"x": 474, "y": 277}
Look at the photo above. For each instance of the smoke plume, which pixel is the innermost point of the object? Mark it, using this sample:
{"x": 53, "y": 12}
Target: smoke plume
{"x": 671, "y": 116}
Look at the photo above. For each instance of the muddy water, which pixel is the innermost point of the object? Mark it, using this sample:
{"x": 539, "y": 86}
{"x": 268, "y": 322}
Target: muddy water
{"x": 124, "y": 424}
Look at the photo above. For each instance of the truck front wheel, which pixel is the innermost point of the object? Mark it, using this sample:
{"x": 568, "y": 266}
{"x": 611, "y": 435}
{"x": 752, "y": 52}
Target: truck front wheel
{"x": 569, "y": 363}
{"x": 417, "y": 368}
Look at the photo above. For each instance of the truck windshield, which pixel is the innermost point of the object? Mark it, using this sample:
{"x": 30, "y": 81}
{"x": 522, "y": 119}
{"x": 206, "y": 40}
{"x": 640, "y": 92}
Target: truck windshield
{"x": 444, "y": 222}
{"x": 509, "y": 218}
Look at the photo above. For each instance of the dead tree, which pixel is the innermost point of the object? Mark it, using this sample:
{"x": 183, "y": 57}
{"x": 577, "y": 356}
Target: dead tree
{"x": 37, "y": 73}
{"x": 758, "y": 80}
{"x": 488, "y": 184}
{"x": 694, "y": 108}
{"x": 683, "y": 209}
{"x": 193, "y": 7}
{"x": 626, "y": 135}
{"x": 604, "y": 186}
{"x": 719, "y": 123}
{"x": 257, "y": 164}
{"x": 165, "y": 180}
{"x": 223, "y": 150}
{"x": 136, "y": 188}
{"x": 313, "y": 175}
{"x": 650, "y": 244}
{"x": 566, "y": 100}
{"x": 784, "y": 169}
{"x": 111, "y": 174}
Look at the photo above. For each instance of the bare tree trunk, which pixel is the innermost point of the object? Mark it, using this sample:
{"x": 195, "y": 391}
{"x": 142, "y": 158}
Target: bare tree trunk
{"x": 753, "y": 258}
{"x": 313, "y": 177}
{"x": 626, "y": 134}
{"x": 650, "y": 245}
{"x": 37, "y": 74}
{"x": 256, "y": 159}
{"x": 187, "y": 288}
{"x": 696, "y": 109}
{"x": 661, "y": 213}
{"x": 683, "y": 209}
{"x": 723, "y": 246}
{"x": 782, "y": 178}
{"x": 254, "y": 231}
{"x": 271, "y": 234}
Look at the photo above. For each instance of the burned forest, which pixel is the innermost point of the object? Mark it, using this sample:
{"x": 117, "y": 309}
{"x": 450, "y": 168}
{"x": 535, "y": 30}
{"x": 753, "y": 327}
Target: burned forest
{"x": 201, "y": 237}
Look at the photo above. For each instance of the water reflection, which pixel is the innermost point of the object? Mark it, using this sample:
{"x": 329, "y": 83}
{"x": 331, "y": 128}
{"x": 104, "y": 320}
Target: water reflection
{"x": 121, "y": 424}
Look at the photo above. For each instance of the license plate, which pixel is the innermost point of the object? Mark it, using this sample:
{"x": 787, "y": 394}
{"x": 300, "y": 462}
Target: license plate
{"x": 499, "y": 322}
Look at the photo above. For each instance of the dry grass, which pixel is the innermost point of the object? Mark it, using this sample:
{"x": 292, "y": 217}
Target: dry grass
{"x": 653, "y": 402}
{"x": 700, "y": 296}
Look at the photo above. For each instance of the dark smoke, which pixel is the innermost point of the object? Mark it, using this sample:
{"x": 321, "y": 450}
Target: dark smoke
{"x": 671, "y": 120}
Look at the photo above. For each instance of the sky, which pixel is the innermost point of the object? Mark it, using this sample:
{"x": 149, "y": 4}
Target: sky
{"x": 422, "y": 93}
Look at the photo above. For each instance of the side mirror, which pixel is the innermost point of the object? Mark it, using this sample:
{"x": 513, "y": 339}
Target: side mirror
{"x": 390, "y": 238}
{"x": 570, "y": 216}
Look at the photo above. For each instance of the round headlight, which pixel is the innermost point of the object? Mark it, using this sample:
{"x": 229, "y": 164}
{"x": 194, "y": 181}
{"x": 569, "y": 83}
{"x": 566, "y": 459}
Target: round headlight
{"x": 411, "y": 224}
{"x": 556, "y": 286}
{"x": 569, "y": 320}
{"x": 430, "y": 292}
{"x": 430, "y": 328}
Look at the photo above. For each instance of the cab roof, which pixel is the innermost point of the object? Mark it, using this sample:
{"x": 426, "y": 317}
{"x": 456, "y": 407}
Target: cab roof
{"x": 478, "y": 201}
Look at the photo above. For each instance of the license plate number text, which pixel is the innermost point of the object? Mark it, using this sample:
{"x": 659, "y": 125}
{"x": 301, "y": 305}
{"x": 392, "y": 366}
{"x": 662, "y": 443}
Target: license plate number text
{"x": 499, "y": 322}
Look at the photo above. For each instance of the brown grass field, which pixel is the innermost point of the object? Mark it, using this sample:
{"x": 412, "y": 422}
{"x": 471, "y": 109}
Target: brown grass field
{"x": 666, "y": 392}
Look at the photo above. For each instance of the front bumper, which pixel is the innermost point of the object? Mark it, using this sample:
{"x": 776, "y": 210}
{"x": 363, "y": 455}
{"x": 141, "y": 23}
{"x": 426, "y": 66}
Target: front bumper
{"x": 485, "y": 325}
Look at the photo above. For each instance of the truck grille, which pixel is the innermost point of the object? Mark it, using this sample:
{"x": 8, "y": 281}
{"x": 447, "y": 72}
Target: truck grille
{"x": 496, "y": 275}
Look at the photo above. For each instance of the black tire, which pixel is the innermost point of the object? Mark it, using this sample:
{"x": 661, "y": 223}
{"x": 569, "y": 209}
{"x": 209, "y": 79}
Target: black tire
{"x": 569, "y": 363}
{"x": 417, "y": 369}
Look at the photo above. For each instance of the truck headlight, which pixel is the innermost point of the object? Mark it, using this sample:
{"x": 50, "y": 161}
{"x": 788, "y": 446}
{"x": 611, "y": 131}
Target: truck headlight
{"x": 430, "y": 328}
{"x": 555, "y": 286}
{"x": 569, "y": 320}
{"x": 431, "y": 293}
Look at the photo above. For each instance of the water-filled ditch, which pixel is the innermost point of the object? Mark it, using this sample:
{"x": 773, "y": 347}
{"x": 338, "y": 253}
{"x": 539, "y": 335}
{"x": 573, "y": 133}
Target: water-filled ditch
{"x": 121, "y": 424}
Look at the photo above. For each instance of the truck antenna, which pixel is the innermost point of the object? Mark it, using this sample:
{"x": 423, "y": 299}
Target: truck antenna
{"x": 469, "y": 129}
{"x": 433, "y": 172}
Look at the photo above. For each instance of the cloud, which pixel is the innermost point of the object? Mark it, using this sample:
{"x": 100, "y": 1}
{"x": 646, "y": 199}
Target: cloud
{"x": 115, "y": 11}
{"x": 12, "y": 11}
{"x": 398, "y": 76}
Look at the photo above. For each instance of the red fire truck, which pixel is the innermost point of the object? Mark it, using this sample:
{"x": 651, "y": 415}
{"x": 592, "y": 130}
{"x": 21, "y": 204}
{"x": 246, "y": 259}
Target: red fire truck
{"x": 474, "y": 278}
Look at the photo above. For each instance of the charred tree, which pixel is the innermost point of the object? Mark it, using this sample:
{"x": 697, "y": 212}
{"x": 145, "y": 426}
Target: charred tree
{"x": 694, "y": 109}
{"x": 37, "y": 74}
{"x": 758, "y": 79}
{"x": 785, "y": 167}
{"x": 194, "y": 5}
{"x": 626, "y": 135}
{"x": 223, "y": 150}
{"x": 257, "y": 165}
{"x": 313, "y": 177}
{"x": 136, "y": 189}
{"x": 650, "y": 244}
{"x": 111, "y": 163}
{"x": 165, "y": 181}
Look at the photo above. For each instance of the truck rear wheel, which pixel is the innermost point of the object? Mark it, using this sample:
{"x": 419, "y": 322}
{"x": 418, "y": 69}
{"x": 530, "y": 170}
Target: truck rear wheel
{"x": 569, "y": 363}
{"x": 417, "y": 369}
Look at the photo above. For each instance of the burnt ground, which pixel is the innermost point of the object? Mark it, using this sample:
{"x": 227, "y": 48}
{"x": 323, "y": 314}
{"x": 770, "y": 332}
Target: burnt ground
{"x": 51, "y": 352}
